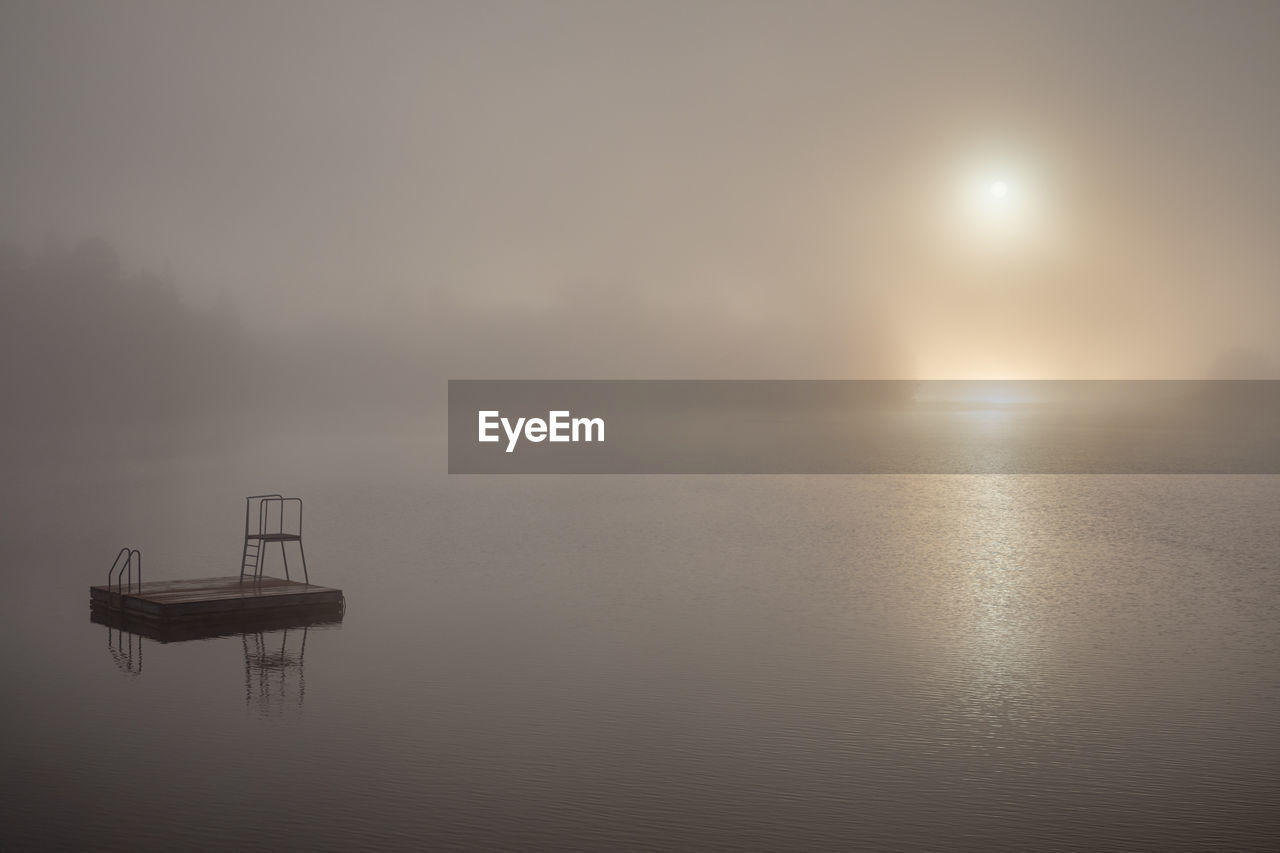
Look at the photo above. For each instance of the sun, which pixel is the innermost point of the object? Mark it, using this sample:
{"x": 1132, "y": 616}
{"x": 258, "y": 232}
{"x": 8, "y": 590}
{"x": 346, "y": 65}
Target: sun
{"x": 994, "y": 208}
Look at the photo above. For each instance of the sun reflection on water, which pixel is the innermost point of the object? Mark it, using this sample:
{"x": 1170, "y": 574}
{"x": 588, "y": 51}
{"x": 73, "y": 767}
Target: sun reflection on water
{"x": 1000, "y": 646}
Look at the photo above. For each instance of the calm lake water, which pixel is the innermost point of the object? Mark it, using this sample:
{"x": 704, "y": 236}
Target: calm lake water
{"x": 662, "y": 662}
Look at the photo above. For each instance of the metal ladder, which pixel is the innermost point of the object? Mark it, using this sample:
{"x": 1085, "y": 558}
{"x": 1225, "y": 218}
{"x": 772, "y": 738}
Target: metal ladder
{"x": 123, "y": 562}
{"x": 270, "y": 528}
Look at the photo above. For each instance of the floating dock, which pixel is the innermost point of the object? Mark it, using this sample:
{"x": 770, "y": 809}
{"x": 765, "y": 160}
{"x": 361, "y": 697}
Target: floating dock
{"x": 223, "y": 624}
{"x": 252, "y": 595}
{"x": 214, "y": 598}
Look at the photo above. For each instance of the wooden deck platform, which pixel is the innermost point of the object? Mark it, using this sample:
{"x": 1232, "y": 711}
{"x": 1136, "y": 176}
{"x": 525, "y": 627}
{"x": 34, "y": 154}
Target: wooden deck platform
{"x": 214, "y": 598}
{"x": 222, "y": 625}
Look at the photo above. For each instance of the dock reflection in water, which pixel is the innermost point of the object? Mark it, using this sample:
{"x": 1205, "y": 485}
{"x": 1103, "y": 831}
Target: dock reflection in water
{"x": 126, "y": 649}
{"x": 273, "y": 673}
{"x": 274, "y": 648}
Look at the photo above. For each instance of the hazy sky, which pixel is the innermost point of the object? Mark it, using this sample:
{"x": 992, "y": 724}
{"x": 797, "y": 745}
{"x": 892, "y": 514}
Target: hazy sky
{"x": 671, "y": 189}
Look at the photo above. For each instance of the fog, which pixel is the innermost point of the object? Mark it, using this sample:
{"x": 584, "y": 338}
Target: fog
{"x": 315, "y": 205}
{"x": 256, "y": 247}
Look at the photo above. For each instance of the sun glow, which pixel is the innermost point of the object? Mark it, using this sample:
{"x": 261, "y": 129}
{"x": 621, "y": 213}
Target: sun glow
{"x": 986, "y": 221}
{"x": 994, "y": 209}
{"x": 987, "y": 393}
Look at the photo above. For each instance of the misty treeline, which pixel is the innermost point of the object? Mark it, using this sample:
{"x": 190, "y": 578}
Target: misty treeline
{"x": 83, "y": 342}
{"x": 87, "y": 342}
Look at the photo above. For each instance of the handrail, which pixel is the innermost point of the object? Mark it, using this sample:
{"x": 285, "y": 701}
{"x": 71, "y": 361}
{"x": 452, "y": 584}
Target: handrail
{"x": 248, "y": 502}
{"x": 280, "y": 513}
{"x": 264, "y": 513}
{"x": 118, "y": 569}
{"x": 111, "y": 571}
